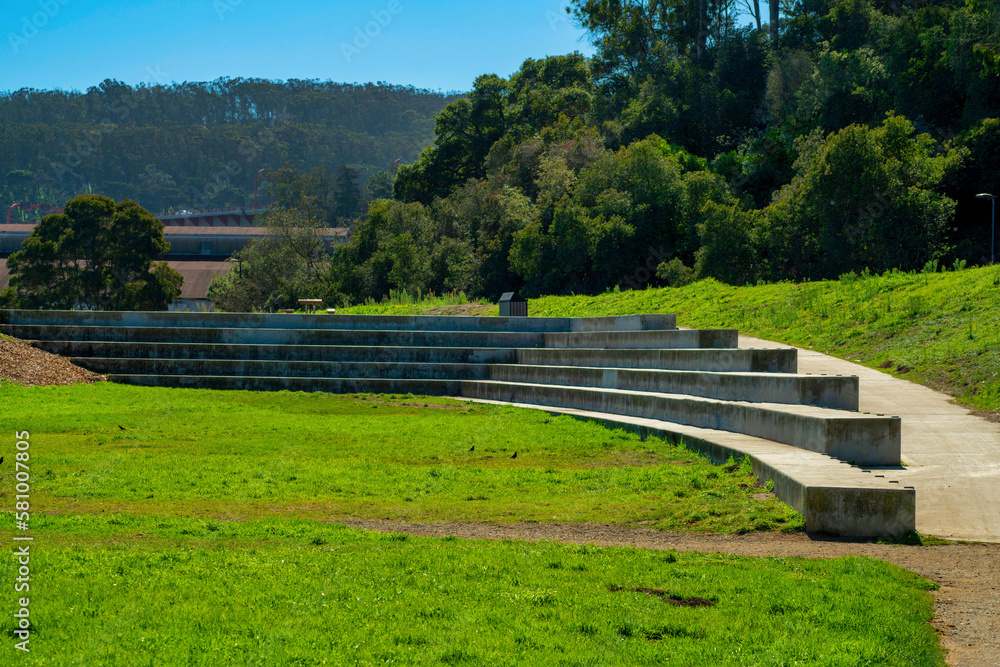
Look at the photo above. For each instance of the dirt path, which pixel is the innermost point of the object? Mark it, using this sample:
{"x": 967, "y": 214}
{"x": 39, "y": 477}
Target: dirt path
{"x": 967, "y": 607}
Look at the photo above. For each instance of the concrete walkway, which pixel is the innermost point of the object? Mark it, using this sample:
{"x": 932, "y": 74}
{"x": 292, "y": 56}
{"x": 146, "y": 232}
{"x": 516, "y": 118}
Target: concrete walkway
{"x": 952, "y": 457}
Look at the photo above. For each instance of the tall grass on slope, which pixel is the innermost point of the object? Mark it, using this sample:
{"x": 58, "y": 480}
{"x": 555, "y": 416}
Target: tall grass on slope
{"x": 940, "y": 329}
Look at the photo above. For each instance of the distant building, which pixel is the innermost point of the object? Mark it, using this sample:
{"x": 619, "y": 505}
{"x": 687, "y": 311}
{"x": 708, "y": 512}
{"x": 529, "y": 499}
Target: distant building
{"x": 198, "y": 253}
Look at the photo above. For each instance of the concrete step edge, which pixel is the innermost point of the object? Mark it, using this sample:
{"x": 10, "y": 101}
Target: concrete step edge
{"x": 828, "y": 492}
{"x": 806, "y": 410}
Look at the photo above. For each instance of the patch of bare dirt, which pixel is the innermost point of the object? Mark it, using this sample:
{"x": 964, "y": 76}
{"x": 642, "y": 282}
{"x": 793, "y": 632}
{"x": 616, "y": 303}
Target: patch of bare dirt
{"x": 463, "y": 310}
{"x": 29, "y": 366}
{"x": 666, "y": 596}
{"x": 967, "y": 605}
{"x": 432, "y": 406}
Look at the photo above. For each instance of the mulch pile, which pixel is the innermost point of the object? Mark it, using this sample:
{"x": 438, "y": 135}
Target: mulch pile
{"x": 24, "y": 364}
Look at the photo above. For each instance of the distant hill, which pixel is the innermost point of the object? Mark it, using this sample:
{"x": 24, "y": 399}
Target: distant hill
{"x": 199, "y": 145}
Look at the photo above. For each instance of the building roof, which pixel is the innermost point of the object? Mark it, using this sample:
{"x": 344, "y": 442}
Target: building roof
{"x": 179, "y": 230}
{"x": 197, "y": 275}
{"x": 174, "y": 231}
{"x": 17, "y": 229}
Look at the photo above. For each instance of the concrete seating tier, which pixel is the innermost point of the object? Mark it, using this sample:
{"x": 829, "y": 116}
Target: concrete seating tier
{"x": 779, "y": 360}
{"x": 845, "y": 435}
{"x": 343, "y": 353}
{"x": 623, "y": 369}
{"x": 838, "y": 392}
{"x": 367, "y": 322}
{"x": 380, "y": 338}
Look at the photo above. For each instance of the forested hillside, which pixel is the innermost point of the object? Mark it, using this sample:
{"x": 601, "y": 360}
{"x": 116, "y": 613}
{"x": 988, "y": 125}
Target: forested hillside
{"x": 850, "y": 135}
{"x": 199, "y": 145}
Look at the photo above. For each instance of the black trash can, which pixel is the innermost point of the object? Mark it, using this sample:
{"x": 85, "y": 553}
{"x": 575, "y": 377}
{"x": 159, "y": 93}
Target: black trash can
{"x": 513, "y": 304}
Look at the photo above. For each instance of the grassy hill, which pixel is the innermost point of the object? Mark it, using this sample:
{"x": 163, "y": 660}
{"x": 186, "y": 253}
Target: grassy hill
{"x": 938, "y": 329}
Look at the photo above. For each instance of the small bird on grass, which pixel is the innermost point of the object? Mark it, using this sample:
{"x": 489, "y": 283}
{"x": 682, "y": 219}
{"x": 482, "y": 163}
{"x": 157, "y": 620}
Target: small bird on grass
{"x": 472, "y": 449}
{"x": 1, "y": 459}
{"x": 121, "y": 427}
{"x": 515, "y": 455}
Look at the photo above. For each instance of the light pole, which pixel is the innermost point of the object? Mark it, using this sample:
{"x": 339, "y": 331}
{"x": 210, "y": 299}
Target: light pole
{"x": 993, "y": 221}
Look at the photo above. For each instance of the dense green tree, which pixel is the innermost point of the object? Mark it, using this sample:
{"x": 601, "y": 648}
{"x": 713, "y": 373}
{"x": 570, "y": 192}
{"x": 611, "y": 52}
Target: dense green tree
{"x": 614, "y": 221}
{"x": 294, "y": 261}
{"x": 350, "y": 202}
{"x": 861, "y": 198}
{"x": 379, "y": 186}
{"x": 466, "y": 130}
{"x": 730, "y": 250}
{"x": 98, "y": 255}
{"x": 978, "y": 173}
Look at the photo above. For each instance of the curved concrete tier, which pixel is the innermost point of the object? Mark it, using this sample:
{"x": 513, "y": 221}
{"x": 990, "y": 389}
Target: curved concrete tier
{"x": 834, "y": 391}
{"x": 833, "y": 496}
{"x": 849, "y": 436}
{"x": 64, "y": 318}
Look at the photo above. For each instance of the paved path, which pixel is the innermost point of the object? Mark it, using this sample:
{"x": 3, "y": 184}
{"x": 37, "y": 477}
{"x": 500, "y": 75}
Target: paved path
{"x": 952, "y": 457}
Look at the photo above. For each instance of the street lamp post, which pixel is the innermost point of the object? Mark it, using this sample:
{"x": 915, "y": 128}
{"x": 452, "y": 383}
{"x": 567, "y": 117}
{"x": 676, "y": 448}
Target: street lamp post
{"x": 993, "y": 220}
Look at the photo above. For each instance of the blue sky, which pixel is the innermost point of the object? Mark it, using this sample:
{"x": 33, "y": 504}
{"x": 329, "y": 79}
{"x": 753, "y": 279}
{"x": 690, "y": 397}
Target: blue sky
{"x": 439, "y": 45}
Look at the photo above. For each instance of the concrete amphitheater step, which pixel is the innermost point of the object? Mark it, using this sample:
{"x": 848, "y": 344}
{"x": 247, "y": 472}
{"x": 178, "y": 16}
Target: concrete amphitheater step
{"x": 716, "y": 360}
{"x": 628, "y": 340}
{"x": 849, "y": 436}
{"x": 344, "y": 353}
{"x": 951, "y": 454}
{"x": 279, "y": 336}
{"x": 833, "y": 496}
{"x": 298, "y": 369}
{"x": 687, "y": 359}
{"x": 641, "y": 340}
{"x": 308, "y": 384}
{"x": 827, "y": 391}
{"x": 342, "y": 322}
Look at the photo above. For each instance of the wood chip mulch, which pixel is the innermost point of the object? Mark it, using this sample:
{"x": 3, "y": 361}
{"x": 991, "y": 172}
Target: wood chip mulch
{"x": 29, "y": 366}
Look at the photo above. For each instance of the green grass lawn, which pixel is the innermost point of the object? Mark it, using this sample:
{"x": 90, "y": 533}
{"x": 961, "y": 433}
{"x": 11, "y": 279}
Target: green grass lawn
{"x": 145, "y": 590}
{"x": 194, "y": 527}
{"x": 246, "y": 455}
{"x": 939, "y": 329}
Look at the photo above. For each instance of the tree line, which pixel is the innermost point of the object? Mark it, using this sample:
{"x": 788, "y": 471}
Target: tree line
{"x": 199, "y": 145}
